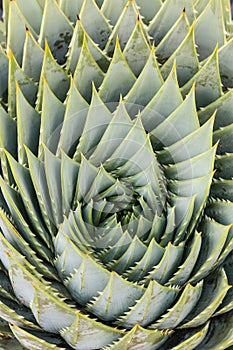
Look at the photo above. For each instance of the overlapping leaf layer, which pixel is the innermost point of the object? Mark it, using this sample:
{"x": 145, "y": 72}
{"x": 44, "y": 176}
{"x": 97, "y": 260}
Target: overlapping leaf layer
{"x": 116, "y": 174}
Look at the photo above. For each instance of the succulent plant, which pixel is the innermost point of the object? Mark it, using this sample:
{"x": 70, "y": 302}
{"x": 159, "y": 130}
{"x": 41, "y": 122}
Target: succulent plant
{"x": 116, "y": 174}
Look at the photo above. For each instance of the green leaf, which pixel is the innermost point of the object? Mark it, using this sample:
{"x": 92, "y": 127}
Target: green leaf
{"x": 123, "y": 27}
{"x": 8, "y": 314}
{"x": 112, "y": 12}
{"x": 197, "y": 142}
{"x": 16, "y": 31}
{"x": 165, "y": 101}
{"x": 97, "y": 121}
{"x": 207, "y": 81}
{"x": 153, "y": 303}
{"x": 56, "y": 29}
{"x": 32, "y": 57}
{"x": 44, "y": 304}
{"x": 167, "y": 16}
{"x": 197, "y": 166}
{"x": 28, "y": 123}
{"x": 52, "y": 117}
{"x": 53, "y": 176}
{"x": 219, "y": 335}
{"x": 74, "y": 121}
{"x": 214, "y": 290}
{"x": 69, "y": 175}
{"x": 187, "y": 64}
{"x": 214, "y": 236}
{"x": 86, "y": 332}
{"x": 151, "y": 258}
{"x": 87, "y": 72}
{"x": 223, "y": 107}
{"x": 23, "y": 180}
{"x": 169, "y": 263}
{"x": 114, "y": 84}
{"x": 146, "y": 86}
{"x": 71, "y": 9}
{"x": 185, "y": 305}
{"x": 17, "y": 210}
{"x": 3, "y": 74}
{"x": 222, "y": 189}
{"x": 133, "y": 254}
{"x": 138, "y": 336}
{"x": 211, "y": 23}
{"x": 27, "y": 9}
{"x": 149, "y": 9}
{"x": 95, "y": 23}
{"x": 115, "y": 298}
{"x": 224, "y": 166}
{"x": 137, "y": 58}
{"x": 14, "y": 239}
{"x": 173, "y": 38}
{"x": 132, "y": 142}
{"x": 188, "y": 339}
{"x": 75, "y": 49}
{"x": 28, "y": 88}
{"x": 199, "y": 187}
{"x": 225, "y": 141}
{"x": 30, "y": 341}
{"x": 225, "y": 53}
{"x": 116, "y": 131}
{"x": 8, "y": 132}
{"x": 56, "y": 77}
{"x": 38, "y": 177}
{"x": 175, "y": 127}
{"x": 181, "y": 276}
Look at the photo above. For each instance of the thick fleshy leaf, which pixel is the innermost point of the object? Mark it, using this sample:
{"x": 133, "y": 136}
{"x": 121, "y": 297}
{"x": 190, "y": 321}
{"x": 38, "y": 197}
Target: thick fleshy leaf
{"x": 28, "y": 9}
{"x": 114, "y": 85}
{"x": 116, "y": 298}
{"x": 211, "y": 23}
{"x": 28, "y": 88}
{"x": 87, "y": 72}
{"x": 166, "y": 133}
{"x": 3, "y": 73}
{"x": 55, "y": 76}
{"x": 30, "y": 341}
{"x": 52, "y": 110}
{"x": 85, "y": 332}
{"x": 186, "y": 303}
{"x": 150, "y": 340}
{"x": 213, "y": 239}
{"x": 98, "y": 119}
{"x": 44, "y": 304}
{"x": 187, "y": 64}
{"x": 74, "y": 121}
{"x": 153, "y": 303}
{"x": 165, "y": 101}
{"x": 16, "y": 31}
{"x": 123, "y": 28}
{"x": 56, "y": 29}
{"x": 145, "y": 87}
{"x": 137, "y": 60}
{"x": 95, "y": 23}
{"x": 8, "y": 132}
{"x": 167, "y": 16}
{"x": 173, "y": 38}
{"x": 28, "y": 123}
{"x": 207, "y": 81}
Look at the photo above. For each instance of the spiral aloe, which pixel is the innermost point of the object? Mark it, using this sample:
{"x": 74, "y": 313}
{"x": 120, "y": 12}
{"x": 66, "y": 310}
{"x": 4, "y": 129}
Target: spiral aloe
{"x": 116, "y": 174}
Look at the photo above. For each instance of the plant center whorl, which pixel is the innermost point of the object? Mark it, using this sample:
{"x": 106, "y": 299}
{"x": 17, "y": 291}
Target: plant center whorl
{"x": 127, "y": 193}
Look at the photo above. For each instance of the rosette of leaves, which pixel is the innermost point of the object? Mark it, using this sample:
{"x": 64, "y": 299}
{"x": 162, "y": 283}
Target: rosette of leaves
{"x": 116, "y": 174}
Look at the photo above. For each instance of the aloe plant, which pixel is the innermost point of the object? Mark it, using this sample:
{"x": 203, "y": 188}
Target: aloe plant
{"x": 116, "y": 174}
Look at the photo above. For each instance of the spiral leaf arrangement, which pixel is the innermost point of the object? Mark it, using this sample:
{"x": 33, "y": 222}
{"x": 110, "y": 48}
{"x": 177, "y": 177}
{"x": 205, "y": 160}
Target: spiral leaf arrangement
{"x": 116, "y": 174}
